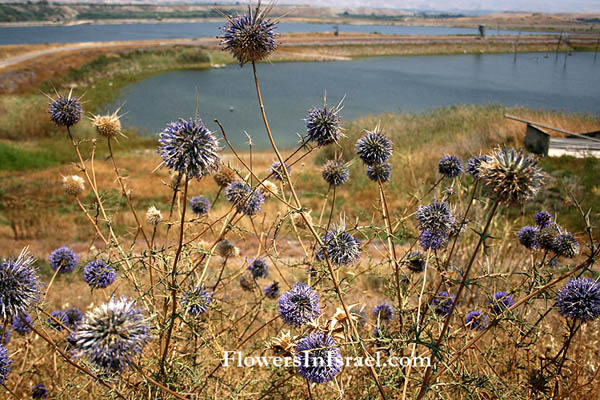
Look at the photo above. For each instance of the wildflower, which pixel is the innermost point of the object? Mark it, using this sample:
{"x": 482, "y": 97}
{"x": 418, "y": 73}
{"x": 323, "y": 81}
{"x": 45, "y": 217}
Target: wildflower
{"x": 250, "y": 37}
{"x": 500, "y": 302}
{"x": 383, "y": 312}
{"x": 476, "y": 320}
{"x": 342, "y": 248}
{"x": 246, "y": 282}
{"x": 299, "y": 305}
{"x": 153, "y": 216}
{"x": 272, "y": 291}
{"x": 299, "y": 221}
{"x": 63, "y": 260}
{"x": 39, "y": 391}
{"x": 335, "y": 172}
{"x": 268, "y": 189}
{"x": 200, "y": 205}
{"x": 75, "y": 315}
{"x": 19, "y": 286}
{"x": 526, "y": 236}
{"x": 543, "y": 219}
{"x": 58, "y": 320}
{"x": 65, "y": 110}
{"x": 442, "y": 303}
{"x": 318, "y": 358}
{"x": 227, "y": 249}
{"x": 21, "y": 327}
{"x": 415, "y": 261}
{"x": 247, "y": 200}
{"x": 278, "y": 172}
{"x": 379, "y": 172}
{"x": 545, "y": 236}
{"x": 474, "y": 163}
{"x": 195, "y": 301}
{"x": 111, "y": 334}
{"x": 259, "y": 268}
{"x": 189, "y": 148}
{"x": 285, "y": 343}
{"x": 450, "y": 166}
{"x": 324, "y": 126}
{"x": 510, "y": 177}
{"x": 224, "y": 176}
{"x": 98, "y": 275}
{"x": 579, "y": 299}
{"x": 108, "y": 126}
{"x": 73, "y": 185}
{"x": 434, "y": 217}
{"x": 5, "y": 364}
{"x": 374, "y": 148}
{"x": 430, "y": 240}
{"x": 565, "y": 245}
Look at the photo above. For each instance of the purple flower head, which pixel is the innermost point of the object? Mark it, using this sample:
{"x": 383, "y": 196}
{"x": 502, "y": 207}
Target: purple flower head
{"x": 342, "y": 247}
{"x": 579, "y": 299}
{"x": 19, "y": 326}
{"x": 65, "y": 110}
{"x": 189, "y": 148}
{"x": 435, "y": 217}
{"x": 246, "y": 200}
{"x": 200, "y": 205}
{"x": 476, "y": 320}
{"x": 246, "y": 282}
{"x": 299, "y": 305}
{"x": 259, "y": 268}
{"x": 374, "y": 148}
{"x": 75, "y": 315}
{"x": 19, "y": 286}
{"x": 381, "y": 172}
{"x": 526, "y": 236}
{"x": 442, "y": 303}
{"x": 195, "y": 301}
{"x": 39, "y": 391}
{"x": 383, "y": 312}
{"x": 98, "y": 275}
{"x": 545, "y": 236}
{"x": 429, "y": 240}
{"x": 500, "y": 302}
{"x": 58, "y": 320}
{"x": 565, "y": 245}
{"x": 415, "y": 260}
{"x": 542, "y": 219}
{"x": 272, "y": 291}
{"x": 473, "y": 165}
{"x": 278, "y": 172}
{"x": 318, "y": 359}
{"x": 450, "y": 166}
{"x": 335, "y": 172}
{"x": 323, "y": 126}
{"x": 63, "y": 260}
{"x": 5, "y": 364}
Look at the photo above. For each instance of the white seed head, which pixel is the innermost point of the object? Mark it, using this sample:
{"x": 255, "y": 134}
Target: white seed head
{"x": 73, "y": 185}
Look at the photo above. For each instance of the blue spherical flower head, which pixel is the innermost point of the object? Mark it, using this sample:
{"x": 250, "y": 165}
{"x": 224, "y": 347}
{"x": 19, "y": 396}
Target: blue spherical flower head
{"x": 335, "y": 172}
{"x": 476, "y": 320}
{"x": 342, "y": 247}
{"x": 75, "y": 315}
{"x": 299, "y": 305}
{"x": 63, "y": 260}
{"x": 112, "y": 334}
{"x": 5, "y": 364}
{"x": 433, "y": 240}
{"x": 383, "y": 312}
{"x": 21, "y": 327}
{"x": 545, "y": 236}
{"x": 259, "y": 268}
{"x": 435, "y": 217}
{"x": 473, "y": 165}
{"x": 527, "y": 237}
{"x": 565, "y": 245}
{"x": 39, "y": 391}
{"x": 442, "y": 303}
{"x": 379, "y": 172}
{"x": 324, "y": 126}
{"x": 189, "y": 148}
{"x": 318, "y": 359}
{"x": 542, "y": 219}
{"x": 65, "y": 110}
{"x": 99, "y": 275}
{"x": 500, "y": 302}
{"x": 58, "y": 320}
{"x": 272, "y": 291}
{"x": 19, "y": 286}
{"x": 200, "y": 205}
{"x": 450, "y": 166}
{"x": 195, "y": 301}
{"x": 250, "y": 37}
{"x": 579, "y": 299}
{"x": 247, "y": 200}
{"x": 374, "y": 148}
{"x": 278, "y": 172}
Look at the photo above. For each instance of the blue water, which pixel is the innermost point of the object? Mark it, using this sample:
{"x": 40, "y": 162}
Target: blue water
{"x": 103, "y": 33}
{"x": 370, "y": 85}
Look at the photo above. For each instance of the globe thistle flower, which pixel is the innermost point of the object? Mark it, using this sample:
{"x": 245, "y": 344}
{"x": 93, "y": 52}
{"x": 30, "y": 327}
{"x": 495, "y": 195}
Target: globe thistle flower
{"x": 227, "y": 249}
{"x": 246, "y": 282}
{"x": 383, "y": 312}
{"x": 324, "y": 126}
{"x": 474, "y": 163}
{"x": 98, "y": 275}
{"x": 63, "y": 260}
{"x": 272, "y": 291}
{"x": 224, "y": 176}
{"x": 415, "y": 261}
{"x": 299, "y": 305}
{"x": 112, "y": 334}
{"x": 39, "y": 391}
{"x": 342, "y": 247}
{"x": 434, "y": 241}
{"x": 200, "y": 205}
{"x": 579, "y": 299}
{"x": 379, "y": 172}
{"x": 75, "y": 315}
{"x": 268, "y": 189}
{"x": 108, "y": 126}
{"x": 510, "y": 177}
{"x": 259, "y": 268}
{"x": 442, "y": 303}
{"x": 153, "y": 216}
{"x": 299, "y": 221}
{"x": 247, "y": 200}
{"x": 21, "y": 327}
{"x": 318, "y": 359}
{"x": 476, "y": 320}
{"x": 19, "y": 286}
{"x": 195, "y": 301}
{"x": 65, "y": 110}
{"x": 335, "y": 172}
{"x": 73, "y": 185}
{"x": 543, "y": 219}
{"x": 250, "y": 37}
{"x": 500, "y": 302}
{"x": 527, "y": 236}
{"x": 545, "y": 236}
{"x": 450, "y": 166}
{"x": 278, "y": 172}
{"x": 456, "y": 228}
{"x": 434, "y": 217}
{"x": 565, "y": 245}
{"x": 374, "y": 148}
{"x": 58, "y": 320}
{"x": 189, "y": 148}
{"x": 5, "y": 364}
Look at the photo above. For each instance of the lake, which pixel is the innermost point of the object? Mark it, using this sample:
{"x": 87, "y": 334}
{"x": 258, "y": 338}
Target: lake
{"x": 103, "y": 33}
{"x": 370, "y": 85}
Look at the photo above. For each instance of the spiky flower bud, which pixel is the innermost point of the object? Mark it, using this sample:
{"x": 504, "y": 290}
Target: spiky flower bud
{"x": 195, "y": 301}
{"x": 153, "y": 216}
{"x": 335, "y": 172}
{"x": 272, "y": 291}
{"x": 63, "y": 260}
{"x": 73, "y": 185}
{"x": 415, "y": 261}
{"x": 374, "y": 147}
{"x": 268, "y": 189}
{"x": 108, "y": 126}
{"x": 259, "y": 268}
{"x": 318, "y": 358}
{"x": 565, "y": 245}
{"x": 379, "y": 172}
{"x": 224, "y": 176}
{"x": 247, "y": 200}
{"x": 342, "y": 248}
{"x": 323, "y": 126}
{"x": 383, "y": 312}
{"x": 579, "y": 299}
{"x": 58, "y": 320}
{"x": 39, "y": 391}
{"x": 527, "y": 237}
{"x": 227, "y": 249}
{"x": 99, "y": 275}
{"x": 65, "y": 110}
{"x": 473, "y": 165}
{"x": 299, "y": 305}
{"x": 450, "y": 166}
{"x": 200, "y": 205}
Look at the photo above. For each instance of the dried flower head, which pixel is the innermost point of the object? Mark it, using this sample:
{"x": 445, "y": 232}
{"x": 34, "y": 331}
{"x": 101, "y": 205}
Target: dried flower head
{"x": 374, "y": 147}
{"x": 21, "y": 322}
{"x": 545, "y": 236}
{"x": 383, "y": 312}
{"x": 500, "y": 302}
{"x": 247, "y": 200}
{"x": 415, "y": 261}
{"x": 335, "y": 172}
{"x": 272, "y": 291}
{"x": 63, "y": 260}
{"x": 153, "y": 216}
{"x": 527, "y": 237}
{"x": 268, "y": 189}
{"x": 189, "y": 148}
{"x": 379, "y": 172}
{"x": 474, "y": 163}
{"x": 442, "y": 303}
{"x": 259, "y": 268}
{"x": 247, "y": 283}
{"x": 510, "y": 177}
{"x": 324, "y": 126}
{"x": 565, "y": 245}
{"x": 224, "y": 176}
{"x": 108, "y": 126}
{"x": 58, "y": 320}
{"x": 342, "y": 248}
{"x": 73, "y": 185}
{"x": 299, "y": 305}
{"x": 195, "y": 301}
{"x": 318, "y": 358}
{"x": 227, "y": 249}
{"x": 476, "y": 320}
{"x": 579, "y": 299}
{"x": 200, "y": 205}
{"x": 39, "y": 391}
{"x": 65, "y": 110}
{"x": 450, "y": 166}
{"x": 5, "y": 364}
{"x": 285, "y": 343}
{"x": 299, "y": 221}
{"x": 19, "y": 286}
{"x": 99, "y": 275}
